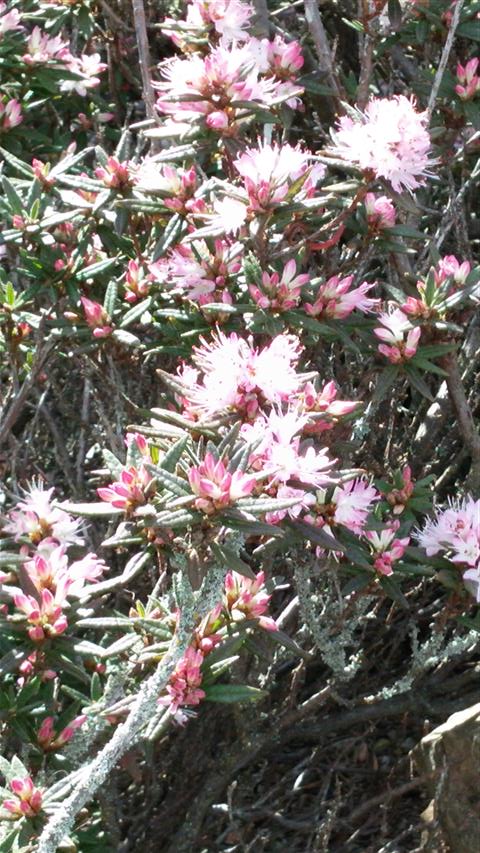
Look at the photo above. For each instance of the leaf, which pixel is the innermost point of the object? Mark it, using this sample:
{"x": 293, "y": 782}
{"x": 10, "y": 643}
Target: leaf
{"x": 113, "y": 464}
{"x": 228, "y": 558}
{"x": 110, "y": 298}
{"x": 173, "y": 483}
{"x": 90, "y": 510}
{"x": 14, "y": 200}
{"x": 173, "y": 455}
{"x": 17, "y": 164}
{"x": 418, "y": 383}
{"x": 95, "y": 269}
{"x": 385, "y": 380}
{"x": 316, "y": 535}
{"x": 126, "y": 338}
{"x": 136, "y": 312}
{"x": 230, "y": 693}
{"x": 393, "y": 590}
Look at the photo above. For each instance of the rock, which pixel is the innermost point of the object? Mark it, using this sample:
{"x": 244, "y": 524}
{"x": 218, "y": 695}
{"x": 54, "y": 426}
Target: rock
{"x": 450, "y": 759}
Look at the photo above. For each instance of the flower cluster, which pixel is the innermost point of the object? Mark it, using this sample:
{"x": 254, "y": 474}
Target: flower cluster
{"x": 389, "y": 140}
{"x": 27, "y": 799}
{"x": 456, "y": 532}
{"x": 396, "y": 347}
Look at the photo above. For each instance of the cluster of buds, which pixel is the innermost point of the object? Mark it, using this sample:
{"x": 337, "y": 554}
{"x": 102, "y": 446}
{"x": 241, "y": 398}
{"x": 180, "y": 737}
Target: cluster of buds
{"x": 115, "y": 174}
{"x": 130, "y": 491}
{"x": 386, "y": 548}
{"x": 279, "y": 293}
{"x": 336, "y": 300}
{"x": 9, "y": 20}
{"x": 395, "y": 346}
{"x": 27, "y": 801}
{"x": 10, "y": 114}
{"x": 215, "y": 487}
{"x": 246, "y": 598}
{"x": 137, "y": 282}
{"x": 399, "y": 496}
{"x": 380, "y": 212}
{"x": 96, "y": 317}
{"x": 448, "y": 276}
{"x": 468, "y": 80}
{"x": 45, "y": 615}
{"x": 50, "y": 741}
{"x": 325, "y": 406}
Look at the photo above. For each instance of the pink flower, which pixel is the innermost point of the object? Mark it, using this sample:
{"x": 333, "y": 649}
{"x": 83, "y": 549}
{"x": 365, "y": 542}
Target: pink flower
{"x": 246, "y": 598}
{"x": 468, "y": 80}
{"x": 229, "y": 215}
{"x": 50, "y": 569}
{"x": 215, "y": 487}
{"x": 336, "y": 300}
{"x": 114, "y": 175}
{"x": 279, "y": 293}
{"x": 392, "y": 331}
{"x": 456, "y": 532}
{"x": 380, "y": 211}
{"x": 35, "y": 517}
{"x": 270, "y": 170}
{"x": 50, "y": 741}
{"x": 10, "y": 114}
{"x": 237, "y": 377}
{"x": 42, "y": 48}
{"x": 227, "y": 75}
{"x": 96, "y": 317}
{"x": 130, "y": 491}
{"x": 229, "y": 19}
{"x": 387, "y": 549}
{"x": 10, "y": 20}
{"x": 27, "y": 801}
{"x": 177, "y": 186}
{"x": 305, "y": 499}
{"x": 389, "y": 139}
{"x": 279, "y": 454}
{"x": 398, "y": 498}
{"x": 450, "y": 267}
{"x": 324, "y": 406}
{"x": 353, "y": 503}
{"x": 184, "y": 686}
{"x": 137, "y": 283}
{"x": 86, "y": 68}
{"x": 199, "y": 273}
{"x": 45, "y": 615}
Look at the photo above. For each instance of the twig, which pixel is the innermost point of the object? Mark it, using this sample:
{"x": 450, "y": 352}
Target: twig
{"x": 262, "y": 24}
{"x": 444, "y": 58}
{"x": 324, "y": 55}
{"x": 16, "y": 406}
{"x": 465, "y": 421}
{"x": 144, "y": 56}
{"x": 128, "y": 733}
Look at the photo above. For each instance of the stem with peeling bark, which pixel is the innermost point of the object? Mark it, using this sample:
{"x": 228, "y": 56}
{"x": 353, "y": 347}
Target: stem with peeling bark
{"x": 465, "y": 421}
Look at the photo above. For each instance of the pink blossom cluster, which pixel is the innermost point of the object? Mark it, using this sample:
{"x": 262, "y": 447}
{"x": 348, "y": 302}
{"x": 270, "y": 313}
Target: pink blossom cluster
{"x": 449, "y": 276}
{"x": 386, "y": 547}
{"x": 272, "y": 174}
{"x": 230, "y": 374}
{"x": 215, "y": 487}
{"x": 227, "y": 19}
{"x": 135, "y": 484}
{"x": 200, "y": 272}
{"x": 468, "y": 80}
{"x": 238, "y": 68}
{"x": 48, "y": 738}
{"x": 27, "y": 799}
{"x": 389, "y": 140}
{"x": 279, "y": 292}
{"x": 244, "y": 598}
{"x": 394, "y": 326}
{"x": 50, "y": 578}
{"x": 10, "y": 114}
{"x": 455, "y": 531}
{"x": 43, "y": 49}
{"x": 336, "y": 299}
{"x": 176, "y": 186}
{"x": 9, "y": 20}
{"x": 349, "y": 506}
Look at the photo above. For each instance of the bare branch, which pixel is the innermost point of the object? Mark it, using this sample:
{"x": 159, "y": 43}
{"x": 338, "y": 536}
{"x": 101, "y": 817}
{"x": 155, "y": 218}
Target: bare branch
{"x": 444, "y": 58}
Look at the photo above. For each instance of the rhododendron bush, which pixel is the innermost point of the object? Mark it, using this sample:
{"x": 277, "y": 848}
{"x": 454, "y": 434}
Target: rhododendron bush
{"x": 240, "y": 497}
